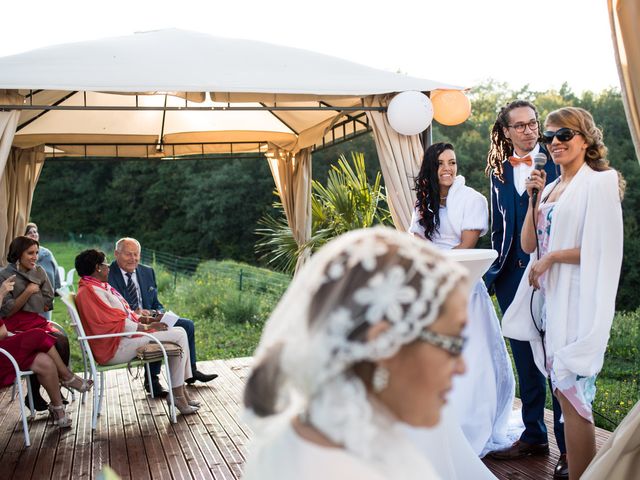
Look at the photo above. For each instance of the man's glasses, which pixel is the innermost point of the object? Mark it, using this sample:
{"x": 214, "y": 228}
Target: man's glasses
{"x": 521, "y": 127}
{"x": 453, "y": 345}
{"x": 563, "y": 135}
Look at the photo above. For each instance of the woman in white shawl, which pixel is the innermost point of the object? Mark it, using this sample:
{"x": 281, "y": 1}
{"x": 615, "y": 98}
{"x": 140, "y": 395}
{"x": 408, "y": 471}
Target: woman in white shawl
{"x": 452, "y": 215}
{"x": 566, "y": 300}
{"x": 367, "y": 335}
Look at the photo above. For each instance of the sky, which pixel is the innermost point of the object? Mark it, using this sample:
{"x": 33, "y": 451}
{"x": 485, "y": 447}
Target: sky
{"x": 542, "y": 43}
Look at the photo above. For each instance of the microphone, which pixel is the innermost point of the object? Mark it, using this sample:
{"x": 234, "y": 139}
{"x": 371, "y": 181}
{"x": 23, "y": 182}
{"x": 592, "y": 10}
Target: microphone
{"x": 539, "y": 161}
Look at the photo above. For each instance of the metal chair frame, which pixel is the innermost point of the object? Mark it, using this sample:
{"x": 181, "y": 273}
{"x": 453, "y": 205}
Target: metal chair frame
{"x": 22, "y": 374}
{"x": 93, "y": 368}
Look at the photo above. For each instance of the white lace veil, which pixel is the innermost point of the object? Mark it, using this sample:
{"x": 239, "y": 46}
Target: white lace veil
{"x": 317, "y": 333}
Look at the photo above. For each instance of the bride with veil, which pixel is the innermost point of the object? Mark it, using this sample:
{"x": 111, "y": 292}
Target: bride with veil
{"x": 367, "y": 337}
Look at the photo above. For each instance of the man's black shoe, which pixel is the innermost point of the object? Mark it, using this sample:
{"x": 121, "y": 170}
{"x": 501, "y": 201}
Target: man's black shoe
{"x": 158, "y": 389}
{"x": 198, "y": 376}
{"x": 39, "y": 403}
{"x": 561, "y": 471}
{"x": 520, "y": 449}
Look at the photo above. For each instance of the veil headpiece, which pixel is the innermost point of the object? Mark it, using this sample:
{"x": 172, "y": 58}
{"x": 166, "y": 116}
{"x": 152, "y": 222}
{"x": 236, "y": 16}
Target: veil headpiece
{"x": 317, "y": 333}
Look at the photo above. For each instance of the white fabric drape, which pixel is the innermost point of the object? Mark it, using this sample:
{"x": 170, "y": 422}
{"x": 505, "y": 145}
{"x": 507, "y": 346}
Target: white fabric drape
{"x": 21, "y": 173}
{"x": 625, "y": 18}
{"x": 619, "y": 457}
{"x": 8, "y": 125}
{"x": 400, "y": 159}
{"x": 292, "y": 176}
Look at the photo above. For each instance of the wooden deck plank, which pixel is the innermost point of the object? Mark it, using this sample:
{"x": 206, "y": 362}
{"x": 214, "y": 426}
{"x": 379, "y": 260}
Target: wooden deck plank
{"x": 63, "y": 464}
{"x": 138, "y": 465}
{"x": 84, "y": 437}
{"x": 177, "y": 463}
{"x": 29, "y": 459}
{"x": 207, "y": 430}
{"x": 220, "y": 425}
{"x": 100, "y": 450}
{"x": 118, "y": 458}
{"x": 47, "y": 454}
{"x": 158, "y": 466}
{"x": 535, "y": 468}
{"x": 134, "y": 435}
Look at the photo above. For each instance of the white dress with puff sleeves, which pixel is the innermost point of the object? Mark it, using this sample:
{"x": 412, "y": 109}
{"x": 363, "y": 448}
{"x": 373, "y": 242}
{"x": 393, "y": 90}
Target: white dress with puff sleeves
{"x": 482, "y": 399}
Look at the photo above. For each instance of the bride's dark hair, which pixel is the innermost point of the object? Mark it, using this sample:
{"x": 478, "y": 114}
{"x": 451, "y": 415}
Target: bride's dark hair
{"x": 428, "y": 189}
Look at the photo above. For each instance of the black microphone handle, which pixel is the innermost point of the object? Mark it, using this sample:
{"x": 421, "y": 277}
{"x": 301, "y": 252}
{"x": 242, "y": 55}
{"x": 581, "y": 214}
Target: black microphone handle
{"x": 534, "y": 196}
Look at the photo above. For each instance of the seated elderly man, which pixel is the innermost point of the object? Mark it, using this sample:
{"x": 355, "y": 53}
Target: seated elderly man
{"x": 137, "y": 284}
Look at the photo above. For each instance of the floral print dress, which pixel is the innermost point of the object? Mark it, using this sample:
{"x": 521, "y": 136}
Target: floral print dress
{"x": 580, "y": 391}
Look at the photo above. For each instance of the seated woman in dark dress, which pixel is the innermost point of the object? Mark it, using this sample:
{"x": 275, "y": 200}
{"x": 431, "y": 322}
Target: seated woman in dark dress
{"x": 34, "y": 350}
{"x": 32, "y": 295}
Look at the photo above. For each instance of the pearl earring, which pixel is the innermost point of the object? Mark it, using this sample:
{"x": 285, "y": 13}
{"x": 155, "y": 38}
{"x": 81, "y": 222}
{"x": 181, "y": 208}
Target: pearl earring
{"x": 380, "y": 379}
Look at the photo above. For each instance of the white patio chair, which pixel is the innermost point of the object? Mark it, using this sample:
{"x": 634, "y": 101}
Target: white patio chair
{"x": 14, "y": 389}
{"x": 70, "y": 279}
{"x": 22, "y": 374}
{"x": 61, "y": 276}
{"x": 92, "y": 368}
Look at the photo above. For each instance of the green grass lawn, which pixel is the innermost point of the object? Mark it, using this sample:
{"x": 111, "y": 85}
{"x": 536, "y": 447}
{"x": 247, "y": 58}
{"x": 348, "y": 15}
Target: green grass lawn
{"x": 229, "y": 303}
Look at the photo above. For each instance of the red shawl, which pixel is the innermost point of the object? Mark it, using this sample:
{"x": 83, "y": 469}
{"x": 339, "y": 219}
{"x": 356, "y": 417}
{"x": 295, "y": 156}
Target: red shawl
{"x": 98, "y": 318}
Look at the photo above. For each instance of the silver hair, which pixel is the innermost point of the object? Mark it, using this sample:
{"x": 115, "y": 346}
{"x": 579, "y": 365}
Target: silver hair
{"x": 127, "y": 239}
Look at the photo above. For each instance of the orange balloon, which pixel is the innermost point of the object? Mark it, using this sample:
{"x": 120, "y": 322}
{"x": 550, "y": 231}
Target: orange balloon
{"x": 450, "y": 107}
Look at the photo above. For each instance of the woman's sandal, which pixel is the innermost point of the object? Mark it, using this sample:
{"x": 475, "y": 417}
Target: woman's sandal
{"x": 185, "y": 408}
{"x": 78, "y": 384}
{"x": 63, "y": 421}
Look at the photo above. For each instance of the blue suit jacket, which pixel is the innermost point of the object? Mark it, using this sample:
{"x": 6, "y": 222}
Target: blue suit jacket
{"x": 147, "y": 281}
{"x": 503, "y": 214}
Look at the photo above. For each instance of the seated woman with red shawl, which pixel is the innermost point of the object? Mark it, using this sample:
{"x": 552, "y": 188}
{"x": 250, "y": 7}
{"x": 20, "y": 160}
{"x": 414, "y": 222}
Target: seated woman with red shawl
{"x": 104, "y": 311}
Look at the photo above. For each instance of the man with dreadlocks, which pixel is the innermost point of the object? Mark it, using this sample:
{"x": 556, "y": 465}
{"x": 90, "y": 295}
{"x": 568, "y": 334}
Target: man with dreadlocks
{"x": 514, "y": 141}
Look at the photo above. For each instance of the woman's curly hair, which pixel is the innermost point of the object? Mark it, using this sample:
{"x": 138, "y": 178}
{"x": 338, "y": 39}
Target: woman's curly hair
{"x": 582, "y": 121}
{"x": 427, "y": 189}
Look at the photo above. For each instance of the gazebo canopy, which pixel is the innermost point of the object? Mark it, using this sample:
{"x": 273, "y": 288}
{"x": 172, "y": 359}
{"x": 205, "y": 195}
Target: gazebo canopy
{"x": 189, "y": 93}
{"x": 169, "y": 93}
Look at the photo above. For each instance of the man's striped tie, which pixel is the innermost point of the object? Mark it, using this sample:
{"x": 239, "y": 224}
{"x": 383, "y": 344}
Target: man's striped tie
{"x": 132, "y": 292}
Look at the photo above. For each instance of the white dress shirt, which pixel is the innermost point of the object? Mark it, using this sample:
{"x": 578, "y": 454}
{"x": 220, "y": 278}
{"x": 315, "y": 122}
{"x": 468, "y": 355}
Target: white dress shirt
{"x": 522, "y": 171}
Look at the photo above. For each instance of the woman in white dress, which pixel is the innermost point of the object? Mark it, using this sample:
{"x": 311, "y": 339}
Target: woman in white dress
{"x": 368, "y": 335}
{"x": 452, "y": 215}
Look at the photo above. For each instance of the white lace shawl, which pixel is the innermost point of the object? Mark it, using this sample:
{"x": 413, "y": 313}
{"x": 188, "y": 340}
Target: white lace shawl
{"x": 587, "y": 215}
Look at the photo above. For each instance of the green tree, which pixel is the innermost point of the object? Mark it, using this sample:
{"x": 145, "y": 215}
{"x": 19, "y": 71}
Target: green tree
{"x": 347, "y": 202}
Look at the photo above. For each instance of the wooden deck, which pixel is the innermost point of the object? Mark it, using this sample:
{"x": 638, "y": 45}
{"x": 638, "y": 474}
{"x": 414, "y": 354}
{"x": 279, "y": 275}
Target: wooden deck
{"x": 135, "y": 438}
{"x": 535, "y": 468}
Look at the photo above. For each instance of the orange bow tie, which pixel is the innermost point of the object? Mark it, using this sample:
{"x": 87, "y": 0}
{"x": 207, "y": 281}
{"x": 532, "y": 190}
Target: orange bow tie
{"x": 515, "y": 161}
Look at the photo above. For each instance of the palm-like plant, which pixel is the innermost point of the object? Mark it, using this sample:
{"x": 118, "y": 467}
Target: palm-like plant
{"x": 347, "y": 202}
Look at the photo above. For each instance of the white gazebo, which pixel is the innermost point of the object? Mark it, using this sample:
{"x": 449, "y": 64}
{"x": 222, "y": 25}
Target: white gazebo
{"x": 172, "y": 93}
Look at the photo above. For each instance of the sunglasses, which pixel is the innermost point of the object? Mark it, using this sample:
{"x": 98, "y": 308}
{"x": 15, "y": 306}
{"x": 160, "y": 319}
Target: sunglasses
{"x": 453, "y": 345}
{"x": 563, "y": 135}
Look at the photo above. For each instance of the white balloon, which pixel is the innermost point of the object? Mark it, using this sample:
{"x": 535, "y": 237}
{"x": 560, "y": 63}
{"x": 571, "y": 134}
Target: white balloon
{"x": 410, "y": 113}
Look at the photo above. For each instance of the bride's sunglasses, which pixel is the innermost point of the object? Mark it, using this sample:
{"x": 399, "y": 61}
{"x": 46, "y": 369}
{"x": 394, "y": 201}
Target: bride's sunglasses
{"x": 563, "y": 135}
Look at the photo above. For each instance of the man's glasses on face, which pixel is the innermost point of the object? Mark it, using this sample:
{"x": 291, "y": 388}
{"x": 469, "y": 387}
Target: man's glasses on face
{"x": 521, "y": 127}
